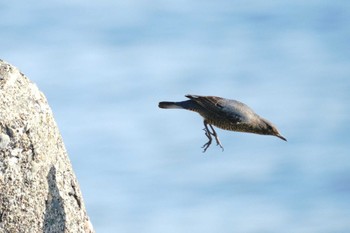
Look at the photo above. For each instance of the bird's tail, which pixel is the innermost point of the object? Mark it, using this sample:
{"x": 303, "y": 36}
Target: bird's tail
{"x": 166, "y": 104}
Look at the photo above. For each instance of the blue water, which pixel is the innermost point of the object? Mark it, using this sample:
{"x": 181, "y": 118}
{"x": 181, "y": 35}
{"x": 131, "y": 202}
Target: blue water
{"x": 105, "y": 65}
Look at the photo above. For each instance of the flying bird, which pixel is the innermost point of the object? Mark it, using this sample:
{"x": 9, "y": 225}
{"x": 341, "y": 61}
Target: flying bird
{"x": 225, "y": 114}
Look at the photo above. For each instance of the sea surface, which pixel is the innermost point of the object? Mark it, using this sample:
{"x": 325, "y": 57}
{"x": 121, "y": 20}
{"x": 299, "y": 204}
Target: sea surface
{"x": 105, "y": 65}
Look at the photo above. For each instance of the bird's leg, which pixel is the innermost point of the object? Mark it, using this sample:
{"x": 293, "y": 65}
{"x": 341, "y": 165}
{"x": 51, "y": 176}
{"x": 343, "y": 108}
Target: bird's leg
{"x": 208, "y": 134}
{"x": 218, "y": 143}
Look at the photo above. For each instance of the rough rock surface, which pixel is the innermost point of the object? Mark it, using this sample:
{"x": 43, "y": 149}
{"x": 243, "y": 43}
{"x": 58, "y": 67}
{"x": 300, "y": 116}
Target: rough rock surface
{"x": 38, "y": 189}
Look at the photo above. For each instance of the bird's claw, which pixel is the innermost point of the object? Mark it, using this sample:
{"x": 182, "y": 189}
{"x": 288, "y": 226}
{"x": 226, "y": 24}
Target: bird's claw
{"x": 206, "y": 146}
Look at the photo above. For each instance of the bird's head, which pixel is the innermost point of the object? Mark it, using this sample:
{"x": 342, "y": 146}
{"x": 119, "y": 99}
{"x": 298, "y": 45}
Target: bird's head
{"x": 270, "y": 129}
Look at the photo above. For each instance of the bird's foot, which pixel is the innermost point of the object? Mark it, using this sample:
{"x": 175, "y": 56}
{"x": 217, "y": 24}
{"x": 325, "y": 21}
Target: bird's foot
{"x": 209, "y": 135}
{"x": 206, "y": 146}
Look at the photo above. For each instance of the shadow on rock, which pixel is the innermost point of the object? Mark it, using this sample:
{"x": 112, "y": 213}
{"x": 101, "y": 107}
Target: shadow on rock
{"x": 55, "y": 216}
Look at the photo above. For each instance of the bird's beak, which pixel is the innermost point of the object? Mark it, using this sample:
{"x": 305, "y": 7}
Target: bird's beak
{"x": 281, "y": 137}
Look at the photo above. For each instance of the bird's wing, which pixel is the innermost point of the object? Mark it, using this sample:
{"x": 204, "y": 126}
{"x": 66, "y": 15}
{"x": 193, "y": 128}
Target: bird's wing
{"x": 223, "y": 108}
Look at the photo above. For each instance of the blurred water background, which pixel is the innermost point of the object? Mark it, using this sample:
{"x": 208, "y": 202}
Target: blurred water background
{"x": 105, "y": 65}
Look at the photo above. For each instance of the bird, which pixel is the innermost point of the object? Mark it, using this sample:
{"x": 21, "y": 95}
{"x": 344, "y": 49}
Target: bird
{"x": 225, "y": 114}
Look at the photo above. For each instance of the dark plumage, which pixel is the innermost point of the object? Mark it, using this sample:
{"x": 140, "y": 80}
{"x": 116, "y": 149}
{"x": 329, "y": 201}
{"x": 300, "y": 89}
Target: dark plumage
{"x": 225, "y": 114}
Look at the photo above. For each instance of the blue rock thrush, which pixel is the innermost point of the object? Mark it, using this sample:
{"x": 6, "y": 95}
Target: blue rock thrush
{"x": 225, "y": 114}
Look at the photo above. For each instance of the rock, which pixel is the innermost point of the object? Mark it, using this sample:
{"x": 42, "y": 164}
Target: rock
{"x": 38, "y": 189}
